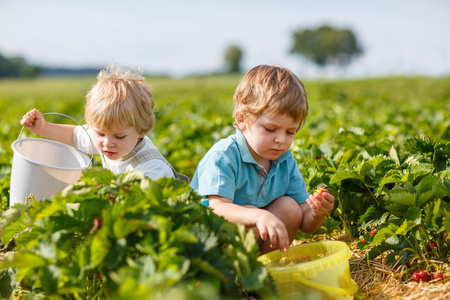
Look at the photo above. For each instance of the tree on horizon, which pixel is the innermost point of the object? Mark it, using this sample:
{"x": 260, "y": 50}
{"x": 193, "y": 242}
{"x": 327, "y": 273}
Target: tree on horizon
{"x": 326, "y": 45}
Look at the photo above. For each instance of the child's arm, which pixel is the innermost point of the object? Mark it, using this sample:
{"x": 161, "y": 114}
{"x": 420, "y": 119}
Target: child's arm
{"x": 35, "y": 121}
{"x": 315, "y": 210}
{"x": 268, "y": 225}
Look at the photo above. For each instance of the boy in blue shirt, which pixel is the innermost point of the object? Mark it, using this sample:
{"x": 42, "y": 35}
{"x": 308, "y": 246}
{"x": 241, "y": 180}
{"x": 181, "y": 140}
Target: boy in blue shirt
{"x": 251, "y": 177}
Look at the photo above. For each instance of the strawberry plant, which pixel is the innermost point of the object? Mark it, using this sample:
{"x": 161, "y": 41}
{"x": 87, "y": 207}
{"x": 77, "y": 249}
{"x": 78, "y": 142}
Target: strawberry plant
{"x": 398, "y": 201}
{"x": 128, "y": 237}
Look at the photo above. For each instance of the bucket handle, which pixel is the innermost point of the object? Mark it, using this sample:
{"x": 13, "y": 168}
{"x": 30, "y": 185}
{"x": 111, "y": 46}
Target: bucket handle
{"x": 73, "y": 119}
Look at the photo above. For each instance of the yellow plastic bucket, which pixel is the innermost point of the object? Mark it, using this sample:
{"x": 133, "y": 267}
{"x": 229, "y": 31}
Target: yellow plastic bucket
{"x": 319, "y": 270}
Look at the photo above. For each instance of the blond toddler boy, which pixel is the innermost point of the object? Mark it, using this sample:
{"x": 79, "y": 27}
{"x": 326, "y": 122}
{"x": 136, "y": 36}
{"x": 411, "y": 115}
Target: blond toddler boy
{"x": 119, "y": 115}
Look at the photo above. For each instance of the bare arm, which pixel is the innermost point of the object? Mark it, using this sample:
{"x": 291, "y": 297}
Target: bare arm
{"x": 35, "y": 121}
{"x": 315, "y": 210}
{"x": 268, "y": 225}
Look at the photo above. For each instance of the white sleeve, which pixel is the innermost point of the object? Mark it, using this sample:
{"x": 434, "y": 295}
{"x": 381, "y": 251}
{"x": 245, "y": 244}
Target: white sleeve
{"x": 155, "y": 169}
{"x": 83, "y": 140}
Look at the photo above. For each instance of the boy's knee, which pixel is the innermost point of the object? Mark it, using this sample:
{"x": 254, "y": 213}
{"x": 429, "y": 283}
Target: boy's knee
{"x": 290, "y": 209}
{"x": 295, "y": 211}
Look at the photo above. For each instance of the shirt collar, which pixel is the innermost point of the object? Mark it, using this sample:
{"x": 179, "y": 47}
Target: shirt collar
{"x": 243, "y": 148}
{"x": 135, "y": 150}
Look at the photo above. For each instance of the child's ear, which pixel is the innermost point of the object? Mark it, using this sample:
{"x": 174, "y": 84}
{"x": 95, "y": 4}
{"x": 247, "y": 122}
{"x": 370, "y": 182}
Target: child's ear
{"x": 240, "y": 119}
{"x": 142, "y": 135}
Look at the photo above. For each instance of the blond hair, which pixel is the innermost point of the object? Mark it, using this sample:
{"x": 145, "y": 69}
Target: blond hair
{"x": 271, "y": 90}
{"x": 120, "y": 98}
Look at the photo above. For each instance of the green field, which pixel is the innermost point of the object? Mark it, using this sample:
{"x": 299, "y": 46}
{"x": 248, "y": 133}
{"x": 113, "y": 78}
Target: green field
{"x": 381, "y": 146}
{"x": 193, "y": 113}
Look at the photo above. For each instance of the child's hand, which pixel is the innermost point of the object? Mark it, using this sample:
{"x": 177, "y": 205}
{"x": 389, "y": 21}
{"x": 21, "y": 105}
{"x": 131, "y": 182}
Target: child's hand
{"x": 34, "y": 121}
{"x": 272, "y": 228}
{"x": 321, "y": 203}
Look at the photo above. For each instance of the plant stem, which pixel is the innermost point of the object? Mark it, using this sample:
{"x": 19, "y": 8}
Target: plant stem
{"x": 373, "y": 196}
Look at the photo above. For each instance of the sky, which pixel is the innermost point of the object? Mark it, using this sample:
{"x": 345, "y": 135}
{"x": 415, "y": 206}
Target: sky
{"x": 179, "y": 37}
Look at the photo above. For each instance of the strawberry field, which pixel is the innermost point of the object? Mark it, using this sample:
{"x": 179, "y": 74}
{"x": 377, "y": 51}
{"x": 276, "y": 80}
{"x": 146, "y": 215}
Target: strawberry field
{"x": 380, "y": 146}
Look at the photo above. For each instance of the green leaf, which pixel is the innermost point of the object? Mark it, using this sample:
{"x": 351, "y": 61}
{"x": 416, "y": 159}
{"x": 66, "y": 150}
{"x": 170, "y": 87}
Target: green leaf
{"x": 132, "y": 177}
{"x": 369, "y": 165}
{"x": 414, "y": 215}
{"x": 384, "y": 233}
{"x": 401, "y": 197}
{"x": 10, "y": 222}
{"x": 25, "y": 260}
{"x": 418, "y": 170}
{"x": 64, "y": 222}
{"x": 406, "y": 227}
{"x": 391, "y": 176}
{"x": 372, "y": 213}
{"x": 379, "y": 249}
{"x": 366, "y": 167}
{"x": 393, "y": 240}
{"x": 428, "y": 214}
{"x": 330, "y": 224}
{"x": 49, "y": 279}
{"x": 7, "y": 283}
{"x": 123, "y": 227}
{"x": 51, "y": 210}
{"x": 246, "y": 238}
{"x": 343, "y": 175}
{"x": 97, "y": 176}
{"x": 426, "y": 189}
{"x": 184, "y": 235}
{"x": 447, "y": 222}
{"x": 100, "y": 247}
{"x": 207, "y": 267}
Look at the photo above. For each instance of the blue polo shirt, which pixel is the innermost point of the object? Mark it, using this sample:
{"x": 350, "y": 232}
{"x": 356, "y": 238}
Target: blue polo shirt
{"x": 229, "y": 170}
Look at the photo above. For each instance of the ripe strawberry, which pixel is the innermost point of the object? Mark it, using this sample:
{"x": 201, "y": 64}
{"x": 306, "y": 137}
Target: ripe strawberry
{"x": 438, "y": 276}
{"x": 416, "y": 276}
{"x": 321, "y": 190}
{"x": 424, "y": 275}
{"x": 372, "y": 233}
{"x": 421, "y": 275}
{"x": 430, "y": 245}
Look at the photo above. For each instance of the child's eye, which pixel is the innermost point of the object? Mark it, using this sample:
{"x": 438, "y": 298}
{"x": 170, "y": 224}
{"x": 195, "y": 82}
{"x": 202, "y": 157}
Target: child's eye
{"x": 270, "y": 129}
{"x": 290, "y": 133}
{"x": 120, "y": 137}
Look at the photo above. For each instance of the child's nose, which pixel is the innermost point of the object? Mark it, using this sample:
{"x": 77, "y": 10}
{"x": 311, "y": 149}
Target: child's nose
{"x": 280, "y": 138}
{"x": 108, "y": 142}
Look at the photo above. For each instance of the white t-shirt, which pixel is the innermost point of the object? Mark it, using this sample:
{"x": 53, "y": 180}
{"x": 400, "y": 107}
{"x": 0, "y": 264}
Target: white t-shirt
{"x": 152, "y": 168}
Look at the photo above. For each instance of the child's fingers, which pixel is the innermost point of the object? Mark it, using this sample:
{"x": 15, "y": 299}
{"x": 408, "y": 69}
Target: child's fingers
{"x": 312, "y": 202}
{"x": 320, "y": 205}
{"x": 330, "y": 198}
{"x": 284, "y": 242}
{"x": 37, "y": 114}
{"x": 27, "y": 120}
{"x": 279, "y": 237}
{"x": 272, "y": 238}
{"x": 31, "y": 117}
{"x": 263, "y": 235}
